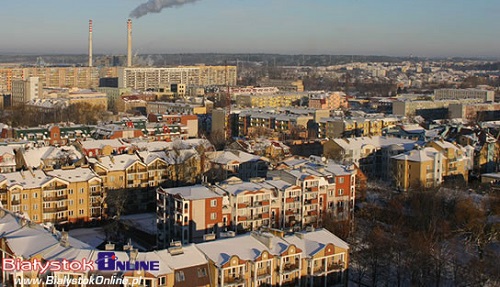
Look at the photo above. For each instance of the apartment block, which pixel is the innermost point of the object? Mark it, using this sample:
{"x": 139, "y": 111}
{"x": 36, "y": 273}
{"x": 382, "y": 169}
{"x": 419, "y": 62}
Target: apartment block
{"x": 189, "y": 214}
{"x": 266, "y": 258}
{"x": 371, "y": 154}
{"x": 57, "y": 196}
{"x": 24, "y": 91}
{"x": 421, "y": 168}
{"x": 463, "y": 94}
{"x": 269, "y": 100}
{"x": 150, "y": 78}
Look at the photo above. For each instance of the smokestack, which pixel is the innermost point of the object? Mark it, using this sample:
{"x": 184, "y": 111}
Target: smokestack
{"x": 90, "y": 43}
{"x": 129, "y": 43}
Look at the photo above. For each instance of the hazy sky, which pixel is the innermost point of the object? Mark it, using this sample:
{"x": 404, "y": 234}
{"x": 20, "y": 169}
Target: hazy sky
{"x": 369, "y": 27}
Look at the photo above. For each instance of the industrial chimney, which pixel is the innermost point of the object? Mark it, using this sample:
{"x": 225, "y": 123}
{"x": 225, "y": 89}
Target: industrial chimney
{"x": 129, "y": 43}
{"x": 90, "y": 43}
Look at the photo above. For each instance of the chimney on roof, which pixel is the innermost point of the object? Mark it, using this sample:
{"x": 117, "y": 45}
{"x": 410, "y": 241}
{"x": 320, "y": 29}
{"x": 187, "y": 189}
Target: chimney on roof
{"x": 64, "y": 240}
{"x": 266, "y": 239}
{"x": 109, "y": 247}
{"x": 133, "y": 255}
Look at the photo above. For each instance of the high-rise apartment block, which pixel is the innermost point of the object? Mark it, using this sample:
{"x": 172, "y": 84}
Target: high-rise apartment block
{"x": 25, "y": 90}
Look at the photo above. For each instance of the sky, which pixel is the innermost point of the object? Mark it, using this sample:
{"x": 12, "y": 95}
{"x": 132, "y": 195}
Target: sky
{"x": 425, "y": 28}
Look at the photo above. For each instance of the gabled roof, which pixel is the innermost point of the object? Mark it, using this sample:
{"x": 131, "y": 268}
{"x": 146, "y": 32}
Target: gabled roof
{"x": 193, "y": 192}
{"x": 421, "y": 155}
{"x": 314, "y": 241}
{"x": 74, "y": 175}
{"x": 116, "y": 162}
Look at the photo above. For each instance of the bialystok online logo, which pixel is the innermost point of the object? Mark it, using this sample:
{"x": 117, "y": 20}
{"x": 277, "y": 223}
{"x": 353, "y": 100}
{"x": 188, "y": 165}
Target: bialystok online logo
{"x": 106, "y": 261}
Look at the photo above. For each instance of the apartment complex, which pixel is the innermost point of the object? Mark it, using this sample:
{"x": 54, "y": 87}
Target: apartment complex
{"x": 463, "y": 94}
{"x": 371, "y": 154}
{"x": 316, "y": 258}
{"x": 80, "y": 77}
{"x": 430, "y": 166}
{"x": 267, "y": 258}
{"x": 151, "y": 78}
{"x": 269, "y": 100}
{"x": 58, "y": 196}
{"x": 189, "y": 214}
{"x": 24, "y": 91}
{"x": 331, "y": 101}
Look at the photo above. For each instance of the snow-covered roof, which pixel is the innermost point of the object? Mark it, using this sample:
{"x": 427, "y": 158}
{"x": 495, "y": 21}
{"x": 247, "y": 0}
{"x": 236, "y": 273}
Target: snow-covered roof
{"x": 116, "y": 162}
{"x": 191, "y": 256}
{"x": 376, "y": 141}
{"x": 420, "y": 155}
{"x": 26, "y": 179}
{"x": 74, "y": 175}
{"x": 314, "y": 241}
{"x": 99, "y": 144}
{"x": 193, "y": 192}
{"x": 34, "y": 156}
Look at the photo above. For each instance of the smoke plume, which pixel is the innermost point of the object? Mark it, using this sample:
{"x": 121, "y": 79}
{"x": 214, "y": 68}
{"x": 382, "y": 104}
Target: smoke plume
{"x": 155, "y": 6}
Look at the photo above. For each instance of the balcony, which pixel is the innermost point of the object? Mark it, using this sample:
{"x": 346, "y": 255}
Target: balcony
{"x": 336, "y": 266}
{"x": 318, "y": 270}
{"x": 265, "y": 215}
{"x": 265, "y": 202}
{"x": 95, "y": 204}
{"x": 236, "y": 279}
{"x": 55, "y": 209}
{"x": 55, "y": 198}
{"x": 15, "y": 202}
{"x": 95, "y": 193}
{"x": 242, "y": 205}
{"x": 290, "y": 199}
{"x": 289, "y": 268}
{"x": 263, "y": 272}
{"x": 61, "y": 219}
{"x": 242, "y": 218}
{"x": 56, "y": 187}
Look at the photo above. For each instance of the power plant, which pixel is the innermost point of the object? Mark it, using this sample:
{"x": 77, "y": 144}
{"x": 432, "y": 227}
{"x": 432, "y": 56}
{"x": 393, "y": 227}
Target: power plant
{"x": 129, "y": 44}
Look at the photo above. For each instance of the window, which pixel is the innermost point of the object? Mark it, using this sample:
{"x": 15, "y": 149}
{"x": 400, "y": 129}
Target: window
{"x": 70, "y": 213}
{"x": 162, "y": 280}
{"x": 82, "y": 190}
{"x": 81, "y": 212}
{"x": 35, "y": 217}
{"x": 80, "y": 201}
{"x": 341, "y": 180}
{"x": 213, "y": 216}
{"x": 179, "y": 276}
{"x": 111, "y": 179}
{"x": 202, "y": 272}
{"x": 25, "y": 196}
{"x": 35, "y": 206}
{"x": 341, "y": 191}
{"x": 213, "y": 203}
{"x": 25, "y": 207}
{"x": 70, "y": 191}
{"x": 71, "y": 202}
{"x": 35, "y": 195}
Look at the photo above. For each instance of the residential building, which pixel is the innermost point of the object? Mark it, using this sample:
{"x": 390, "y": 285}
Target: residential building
{"x": 150, "y": 78}
{"x": 313, "y": 258}
{"x": 189, "y": 214}
{"x": 175, "y": 108}
{"x": 329, "y": 101}
{"x": 59, "y": 196}
{"x": 456, "y": 161}
{"x": 273, "y": 259}
{"x": 24, "y": 91}
{"x": 420, "y": 168}
{"x": 371, "y": 154}
{"x": 7, "y": 159}
{"x": 224, "y": 164}
{"x": 269, "y": 100}
{"x": 462, "y": 94}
